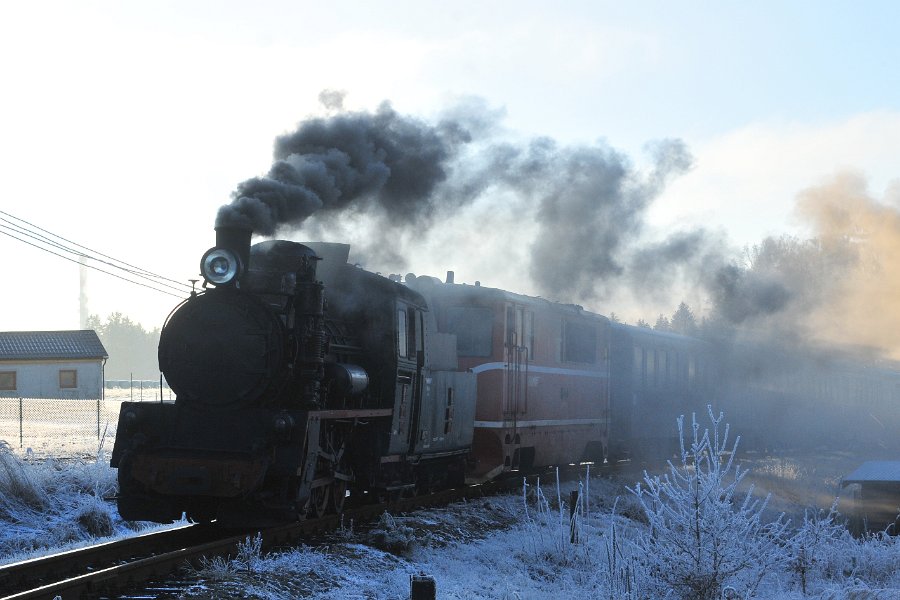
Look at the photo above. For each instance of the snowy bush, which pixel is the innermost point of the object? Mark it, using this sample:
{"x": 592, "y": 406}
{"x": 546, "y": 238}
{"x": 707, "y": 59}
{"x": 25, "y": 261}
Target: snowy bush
{"x": 20, "y": 488}
{"x": 814, "y": 546}
{"x": 392, "y": 535}
{"x": 701, "y": 538}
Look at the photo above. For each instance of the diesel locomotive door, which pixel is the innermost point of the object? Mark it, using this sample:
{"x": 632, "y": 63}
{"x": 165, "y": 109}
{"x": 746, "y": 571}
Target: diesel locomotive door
{"x": 518, "y": 347}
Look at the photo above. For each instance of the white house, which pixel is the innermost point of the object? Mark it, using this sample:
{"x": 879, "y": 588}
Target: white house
{"x": 51, "y": 364}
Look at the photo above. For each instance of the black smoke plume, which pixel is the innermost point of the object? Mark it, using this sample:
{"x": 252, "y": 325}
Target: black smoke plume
{"x": 583, "y": 207}
{"x": 383, "y": 162}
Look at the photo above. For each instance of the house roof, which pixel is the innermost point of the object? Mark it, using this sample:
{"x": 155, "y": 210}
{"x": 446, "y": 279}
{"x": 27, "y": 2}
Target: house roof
{"x": 43, "y": 345}
{"x": 875, "y": 471}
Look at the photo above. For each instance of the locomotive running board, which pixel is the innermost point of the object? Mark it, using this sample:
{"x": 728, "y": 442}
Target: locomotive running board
{"x": 351, "y": 413}
{"x": 486, "y": 477}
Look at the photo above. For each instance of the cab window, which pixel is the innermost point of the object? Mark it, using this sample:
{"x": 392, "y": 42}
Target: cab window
{"x": 579, "y": 342}
{"x": 473, "y": 327}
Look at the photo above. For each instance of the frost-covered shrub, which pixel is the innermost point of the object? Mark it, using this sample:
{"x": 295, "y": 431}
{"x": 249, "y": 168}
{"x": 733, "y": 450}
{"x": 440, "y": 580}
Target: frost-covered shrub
{"x": 814, "y": 546}
{"x": 21, "y": 488}
{"x": 392, "y": 535}
{"x": 555, "y": 538}
{"x": 701, "y": 538}
{"x": 623, "y": 572}
{"x": 872, "y": 560}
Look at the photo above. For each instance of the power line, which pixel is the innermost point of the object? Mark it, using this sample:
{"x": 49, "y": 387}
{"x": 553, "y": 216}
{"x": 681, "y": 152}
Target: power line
{"x": 149, "y": 281}
{"x": 81, "y": 255}
{"x": 132, "y": 269}
{"x": 138, "y": 269}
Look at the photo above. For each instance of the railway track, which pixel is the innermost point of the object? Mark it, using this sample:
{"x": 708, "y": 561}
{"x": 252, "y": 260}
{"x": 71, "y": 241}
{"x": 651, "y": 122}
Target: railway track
{"x": 112, "y": 568}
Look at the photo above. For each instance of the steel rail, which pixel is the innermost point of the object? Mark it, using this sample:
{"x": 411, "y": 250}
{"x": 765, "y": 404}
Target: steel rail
{"x": 32, "y": 573}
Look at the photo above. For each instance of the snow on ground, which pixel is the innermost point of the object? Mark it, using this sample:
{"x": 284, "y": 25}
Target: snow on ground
{"x": 502, "y": 548}
{"x": 516, "y": 546}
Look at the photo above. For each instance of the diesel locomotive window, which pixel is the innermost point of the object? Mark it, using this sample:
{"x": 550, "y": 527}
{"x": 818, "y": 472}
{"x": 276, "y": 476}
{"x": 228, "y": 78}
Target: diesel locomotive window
{"x": 525, "y": 327}
{"x": 520, "y": 329}
{"x": 579, "y": 342}
{"x": 7, "y": 380}
{"x": 473, "y": 327}
{"x": 68, "y": 379}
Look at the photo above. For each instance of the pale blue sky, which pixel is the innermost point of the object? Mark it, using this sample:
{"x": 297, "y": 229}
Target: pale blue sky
{"x": 126, "y": 123}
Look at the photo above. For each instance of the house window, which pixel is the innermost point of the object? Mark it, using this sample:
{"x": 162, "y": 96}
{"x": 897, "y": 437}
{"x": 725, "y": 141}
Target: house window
{"x": 68, "y": 379}
{"x": 7, "y": 380}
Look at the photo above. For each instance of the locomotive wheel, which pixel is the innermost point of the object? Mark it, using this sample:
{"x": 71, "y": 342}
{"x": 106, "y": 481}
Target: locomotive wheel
{"x": 318, "y": 500}
{"x": 338, "y": 495}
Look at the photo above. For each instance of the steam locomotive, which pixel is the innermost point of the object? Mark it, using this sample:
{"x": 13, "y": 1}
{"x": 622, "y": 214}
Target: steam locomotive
{"x": 303, "y": 381}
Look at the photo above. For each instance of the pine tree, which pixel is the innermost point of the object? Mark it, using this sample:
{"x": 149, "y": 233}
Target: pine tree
{"x": 683, "y": 320}
{"x": 132, "y": 349}
{"x": 662, "y": 323}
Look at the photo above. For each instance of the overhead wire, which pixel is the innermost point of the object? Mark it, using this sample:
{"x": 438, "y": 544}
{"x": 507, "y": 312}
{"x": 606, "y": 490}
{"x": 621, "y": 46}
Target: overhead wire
{"x": 131, "y": 268}
{"x": 139, "y": 276}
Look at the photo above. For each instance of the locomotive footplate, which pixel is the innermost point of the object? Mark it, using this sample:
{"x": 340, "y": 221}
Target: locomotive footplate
{"x": 217, "y": 475}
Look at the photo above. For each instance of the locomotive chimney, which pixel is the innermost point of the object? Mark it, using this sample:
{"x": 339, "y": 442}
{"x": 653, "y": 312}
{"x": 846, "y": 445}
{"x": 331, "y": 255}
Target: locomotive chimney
{"x": 236, "y": 239}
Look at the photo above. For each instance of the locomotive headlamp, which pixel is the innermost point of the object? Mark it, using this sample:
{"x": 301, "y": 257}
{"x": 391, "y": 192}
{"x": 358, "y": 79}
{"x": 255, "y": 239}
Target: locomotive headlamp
{"x": 220, "y": 266}
{"x": 129, "y": 419}
{"x": 283, "y": 424}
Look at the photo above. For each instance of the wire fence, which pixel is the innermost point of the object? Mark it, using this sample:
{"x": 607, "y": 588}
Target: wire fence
{"x": 45, "y": 428}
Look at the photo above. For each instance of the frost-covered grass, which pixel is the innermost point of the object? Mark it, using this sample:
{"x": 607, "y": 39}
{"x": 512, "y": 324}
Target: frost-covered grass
{"x": 524, "y": 552}
{"x": 627, "y": 545}
{"x": 691, "y": 533}
{"x": 53, "y": 505}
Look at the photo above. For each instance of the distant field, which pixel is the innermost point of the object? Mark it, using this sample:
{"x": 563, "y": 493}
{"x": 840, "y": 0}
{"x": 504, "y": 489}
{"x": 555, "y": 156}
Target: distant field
{"x": 65, "y": 428}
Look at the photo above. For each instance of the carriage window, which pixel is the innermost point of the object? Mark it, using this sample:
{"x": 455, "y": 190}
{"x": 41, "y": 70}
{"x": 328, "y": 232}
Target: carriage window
{"x": 68, "y": 378}
{"x": 528, "y": 333}
{"x": 473, "y": 327}
{"x": 651, "y": 367}
{"x": 638, "y": 365}
{"x": 579, "y": 342}
{"x": 7, "y": 380}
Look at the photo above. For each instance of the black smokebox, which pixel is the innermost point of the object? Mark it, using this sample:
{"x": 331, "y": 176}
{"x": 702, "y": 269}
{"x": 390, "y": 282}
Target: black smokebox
{"x": 236, "y": 239}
